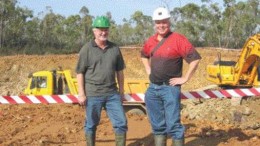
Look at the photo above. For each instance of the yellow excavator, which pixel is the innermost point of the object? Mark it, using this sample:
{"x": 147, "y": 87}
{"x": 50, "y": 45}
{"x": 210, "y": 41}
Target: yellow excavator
{"x": 61, "y": 82}
{"x": 243, "y": 73}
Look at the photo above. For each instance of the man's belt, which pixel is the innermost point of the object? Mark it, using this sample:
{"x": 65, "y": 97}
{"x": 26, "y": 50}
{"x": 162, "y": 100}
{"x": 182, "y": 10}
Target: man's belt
{"x": 162, "y": 83}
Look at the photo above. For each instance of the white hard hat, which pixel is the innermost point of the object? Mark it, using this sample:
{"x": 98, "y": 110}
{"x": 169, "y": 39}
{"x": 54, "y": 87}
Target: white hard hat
{"x": 161, "y": 13}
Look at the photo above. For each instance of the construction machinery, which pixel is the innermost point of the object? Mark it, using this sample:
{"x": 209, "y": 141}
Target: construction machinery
{"x": 243, "y": 73}
{"x": 61, "y": 82}
{"x": 228, "y": 74}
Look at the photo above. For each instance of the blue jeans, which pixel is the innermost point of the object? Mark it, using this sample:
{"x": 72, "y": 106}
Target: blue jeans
{"x": 163, "y": 108}
{"x": 114, "y": 109}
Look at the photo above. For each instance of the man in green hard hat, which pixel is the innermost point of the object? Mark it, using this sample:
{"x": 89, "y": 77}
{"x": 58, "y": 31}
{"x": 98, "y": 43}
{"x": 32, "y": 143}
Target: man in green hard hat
{"x": 100, "y": 63}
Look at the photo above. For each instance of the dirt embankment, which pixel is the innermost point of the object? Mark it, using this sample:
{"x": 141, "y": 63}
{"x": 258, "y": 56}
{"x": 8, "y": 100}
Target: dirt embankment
{"x": 211, "y": 122}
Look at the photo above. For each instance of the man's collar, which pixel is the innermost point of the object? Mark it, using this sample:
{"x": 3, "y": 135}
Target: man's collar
{"x": 156, "y": 35}
{"x": 94, "y": 44}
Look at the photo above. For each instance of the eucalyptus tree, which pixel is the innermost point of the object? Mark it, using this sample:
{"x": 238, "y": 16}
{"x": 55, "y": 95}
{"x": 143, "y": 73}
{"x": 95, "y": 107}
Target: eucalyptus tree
{"x": 254, "y": 9}
{"x": 114, "y": 34}
{"x": 32, "y": 35}
{"x": 12, "y": 22}
{"x": 47, "y": 27}
{"x": 126, "y": 33}
{"x": 7, "y": 11}
{"x": 209, "y": 25}
{"x": 241, "y": 20}
{"x": 17, "y": 28}
{"x": 68, "y": 34}
{"x": 229, "y": 21}
{"x": 212, "y": 28}
{"x": 86, "y": 22}
{"x": 189, "y": 21}
{"x": 143, "y": 26}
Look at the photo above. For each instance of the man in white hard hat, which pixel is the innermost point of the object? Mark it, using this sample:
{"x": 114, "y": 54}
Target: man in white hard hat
{"x": 162, "y": 56}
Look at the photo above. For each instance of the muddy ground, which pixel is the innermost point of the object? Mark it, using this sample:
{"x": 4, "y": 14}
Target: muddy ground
{"x": 211, "y": 122}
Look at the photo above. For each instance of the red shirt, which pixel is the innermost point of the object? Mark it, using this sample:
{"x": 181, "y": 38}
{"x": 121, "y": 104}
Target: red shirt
{"x": 167, "y": 60}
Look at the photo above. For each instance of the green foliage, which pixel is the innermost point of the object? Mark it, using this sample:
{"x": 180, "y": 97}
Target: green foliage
{"x": 205, "y": 25}
{"x": 142, "y": 27}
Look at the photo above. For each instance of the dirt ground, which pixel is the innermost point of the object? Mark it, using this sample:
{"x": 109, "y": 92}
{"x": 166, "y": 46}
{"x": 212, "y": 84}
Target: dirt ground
{"x": 211, "y": 122}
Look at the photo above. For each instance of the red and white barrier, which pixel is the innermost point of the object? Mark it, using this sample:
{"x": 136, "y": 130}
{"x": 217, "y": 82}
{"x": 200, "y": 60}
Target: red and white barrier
{"x": 31, "y": 99}
{"x": 221, "y": 93}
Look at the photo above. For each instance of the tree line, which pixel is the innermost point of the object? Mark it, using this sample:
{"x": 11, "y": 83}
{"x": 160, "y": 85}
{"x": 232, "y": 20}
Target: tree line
{"x": 205, "y": 25}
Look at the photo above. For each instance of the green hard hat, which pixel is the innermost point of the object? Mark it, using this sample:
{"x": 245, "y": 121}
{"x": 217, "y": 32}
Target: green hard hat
{"x": 101, "y": 21}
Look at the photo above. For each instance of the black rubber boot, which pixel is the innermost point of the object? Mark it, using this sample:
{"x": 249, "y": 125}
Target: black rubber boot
{"x": 178, "y": 142}
{"x": 160, "y": 140}
{"x": 120, "y": 139}
{"x": 90, "y": 139}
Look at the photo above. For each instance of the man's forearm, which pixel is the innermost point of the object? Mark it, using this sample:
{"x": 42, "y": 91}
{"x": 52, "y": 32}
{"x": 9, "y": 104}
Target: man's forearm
{"x": 192, "y": 68}
{"x": 146, "y": 64}
{"x": 81, "y": 85}
{"x": 120, "y": 80}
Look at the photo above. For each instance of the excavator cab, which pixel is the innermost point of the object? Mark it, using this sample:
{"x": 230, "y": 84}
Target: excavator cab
{"x": 221, "y": 72}
{"x": 51, "y": 83}
{"x": 39, "y": 84}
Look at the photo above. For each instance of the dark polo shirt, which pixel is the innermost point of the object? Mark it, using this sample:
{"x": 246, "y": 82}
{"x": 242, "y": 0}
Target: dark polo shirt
{"x": 99, "y": 67}
{"x": 167, "y": 61}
